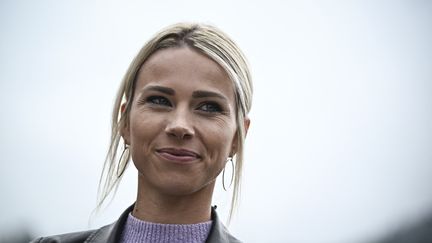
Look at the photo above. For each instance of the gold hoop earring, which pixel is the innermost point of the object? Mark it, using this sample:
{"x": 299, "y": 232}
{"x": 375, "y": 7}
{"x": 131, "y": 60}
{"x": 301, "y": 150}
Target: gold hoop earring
{"x": 120, "y": 164}
{"x": 230, "y": 159}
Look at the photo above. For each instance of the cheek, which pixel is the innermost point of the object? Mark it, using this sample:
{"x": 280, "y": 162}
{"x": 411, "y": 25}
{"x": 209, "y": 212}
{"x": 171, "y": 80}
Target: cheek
{"x": 219, "y": 140}
{"x": 143, "y": 130}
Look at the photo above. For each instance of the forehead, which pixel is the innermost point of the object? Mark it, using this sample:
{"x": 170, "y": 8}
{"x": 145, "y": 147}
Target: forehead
{"x": 184, "y": 67}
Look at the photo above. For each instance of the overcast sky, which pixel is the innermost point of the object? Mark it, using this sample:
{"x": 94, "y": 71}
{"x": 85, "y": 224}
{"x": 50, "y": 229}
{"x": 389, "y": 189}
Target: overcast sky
{"x": 340, "y": 144}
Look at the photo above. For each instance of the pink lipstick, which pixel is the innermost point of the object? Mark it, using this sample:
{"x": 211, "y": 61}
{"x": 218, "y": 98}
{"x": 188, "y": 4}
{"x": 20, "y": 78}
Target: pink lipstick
{"x": 177, "y": 155}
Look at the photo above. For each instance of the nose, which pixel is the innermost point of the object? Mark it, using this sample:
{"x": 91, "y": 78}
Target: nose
{"x": 179, "y": 125}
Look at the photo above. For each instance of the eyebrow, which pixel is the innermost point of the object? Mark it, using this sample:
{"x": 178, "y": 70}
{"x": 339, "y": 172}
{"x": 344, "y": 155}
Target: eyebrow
{"x": 206, "y": 94}
{"x": 161, "y": 89}
{"x": 196, "y": 94}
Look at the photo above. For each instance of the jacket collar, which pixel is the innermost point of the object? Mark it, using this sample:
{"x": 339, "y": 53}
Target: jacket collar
{"x": 218, "y": 232}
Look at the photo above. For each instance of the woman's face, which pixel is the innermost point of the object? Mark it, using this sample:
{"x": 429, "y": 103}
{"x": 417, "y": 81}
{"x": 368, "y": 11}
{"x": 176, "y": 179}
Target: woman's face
{"x": 182, "y": 122}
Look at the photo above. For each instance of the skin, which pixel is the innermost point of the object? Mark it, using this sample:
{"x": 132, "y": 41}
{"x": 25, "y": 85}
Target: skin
{"x": 181, "y": 131}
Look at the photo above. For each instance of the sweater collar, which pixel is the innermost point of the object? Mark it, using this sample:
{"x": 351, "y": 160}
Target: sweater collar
{"x": 112, "y": 233}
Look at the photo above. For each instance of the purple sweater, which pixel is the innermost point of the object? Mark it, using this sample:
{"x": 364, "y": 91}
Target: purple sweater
{"x": 136, "y": 230}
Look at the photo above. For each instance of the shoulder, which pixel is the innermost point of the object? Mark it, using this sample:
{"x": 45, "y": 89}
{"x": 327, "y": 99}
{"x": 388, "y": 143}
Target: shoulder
{"x": 105, "y": 234}
{"x": 66, "y": 238}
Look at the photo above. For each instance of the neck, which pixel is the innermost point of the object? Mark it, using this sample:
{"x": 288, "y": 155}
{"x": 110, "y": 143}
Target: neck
{"x": 152, "y": 205}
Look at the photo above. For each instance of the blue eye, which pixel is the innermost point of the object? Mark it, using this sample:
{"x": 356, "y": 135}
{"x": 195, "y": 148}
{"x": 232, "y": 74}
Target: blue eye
{"x": 158, "y": 100}
{"x": 210, "y": 107}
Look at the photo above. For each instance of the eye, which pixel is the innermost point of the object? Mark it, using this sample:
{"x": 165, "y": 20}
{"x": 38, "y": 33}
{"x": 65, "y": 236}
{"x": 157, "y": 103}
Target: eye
{"x": 210, "y": 107}
{"x": 158, "y": 100}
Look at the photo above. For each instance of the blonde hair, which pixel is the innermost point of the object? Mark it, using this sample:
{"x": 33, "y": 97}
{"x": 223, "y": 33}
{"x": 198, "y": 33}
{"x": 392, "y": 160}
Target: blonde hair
{"x": 207, "y": 40}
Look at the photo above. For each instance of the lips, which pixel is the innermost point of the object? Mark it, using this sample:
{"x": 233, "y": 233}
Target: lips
{"x": 178, "y": 155}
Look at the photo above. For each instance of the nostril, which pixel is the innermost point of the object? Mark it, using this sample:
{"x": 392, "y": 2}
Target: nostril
{"x": 186, "y": 136}
{"x": 179, "y": 132}
{"x": 179, "y": 125}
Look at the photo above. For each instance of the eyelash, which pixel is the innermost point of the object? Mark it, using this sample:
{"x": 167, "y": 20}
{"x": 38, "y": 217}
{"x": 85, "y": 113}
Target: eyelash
{"x": 152, "y": 100}
{"x": 212, "y": 107}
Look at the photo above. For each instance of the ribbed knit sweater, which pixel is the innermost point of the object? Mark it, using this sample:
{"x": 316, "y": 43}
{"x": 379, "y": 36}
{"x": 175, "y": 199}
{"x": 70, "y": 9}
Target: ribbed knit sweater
{"x": 136, "y": 230}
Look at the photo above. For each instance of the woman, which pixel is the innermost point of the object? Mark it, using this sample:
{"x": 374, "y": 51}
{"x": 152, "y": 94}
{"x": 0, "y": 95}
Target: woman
{"x": 182, "y": 113}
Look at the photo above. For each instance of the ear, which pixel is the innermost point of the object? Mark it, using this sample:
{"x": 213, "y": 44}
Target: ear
{"x": 124, "y": 130}
{"x": 246, "y": 125}
{"x": 235, "y": 139}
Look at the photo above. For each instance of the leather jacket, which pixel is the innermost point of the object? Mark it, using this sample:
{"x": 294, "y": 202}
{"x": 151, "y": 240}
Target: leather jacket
{"x": 111, "y": 233}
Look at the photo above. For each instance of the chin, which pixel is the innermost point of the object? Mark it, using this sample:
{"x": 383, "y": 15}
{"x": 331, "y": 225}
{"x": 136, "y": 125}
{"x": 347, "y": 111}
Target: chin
{"x": 181, "y": 187}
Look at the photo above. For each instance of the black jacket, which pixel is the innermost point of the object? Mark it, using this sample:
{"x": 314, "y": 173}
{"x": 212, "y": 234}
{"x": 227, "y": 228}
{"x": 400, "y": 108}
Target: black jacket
{"x": 111, "y": 233}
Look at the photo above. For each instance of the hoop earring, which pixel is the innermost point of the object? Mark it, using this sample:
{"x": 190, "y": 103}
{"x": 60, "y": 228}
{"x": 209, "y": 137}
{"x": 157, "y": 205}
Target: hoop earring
{"x": 230, "y": 159}
{"x": 120, "y": 164}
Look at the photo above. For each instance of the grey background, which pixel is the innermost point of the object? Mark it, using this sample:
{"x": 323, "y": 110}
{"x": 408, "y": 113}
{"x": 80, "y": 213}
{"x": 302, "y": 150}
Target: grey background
{"x": 340, "y": 145}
